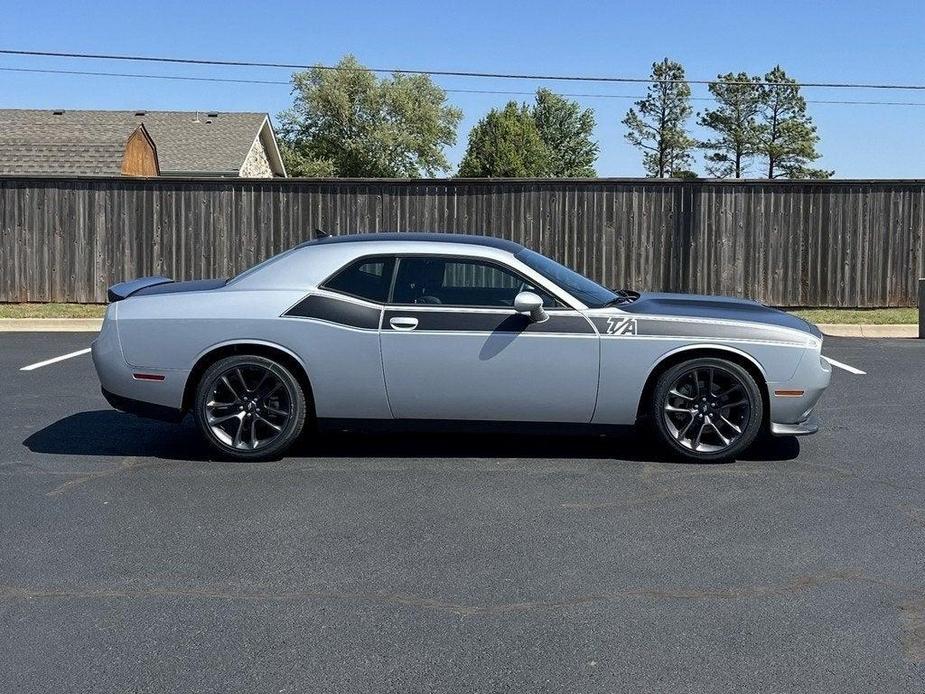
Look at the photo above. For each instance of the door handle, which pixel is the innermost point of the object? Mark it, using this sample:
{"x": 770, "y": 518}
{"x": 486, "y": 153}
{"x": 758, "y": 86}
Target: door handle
{"x": 403, "y": 323}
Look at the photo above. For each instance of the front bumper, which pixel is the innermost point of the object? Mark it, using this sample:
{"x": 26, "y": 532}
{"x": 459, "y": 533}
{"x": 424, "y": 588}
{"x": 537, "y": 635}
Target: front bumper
{"x": 791, "y": 415}
{"x": 810, "y": 426}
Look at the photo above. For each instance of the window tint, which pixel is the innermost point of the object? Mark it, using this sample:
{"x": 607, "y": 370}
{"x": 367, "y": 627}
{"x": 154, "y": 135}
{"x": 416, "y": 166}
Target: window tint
{"x": 367, "y": 279}
{"x": 588, "y": 291}
{"x": 459, "y": 283}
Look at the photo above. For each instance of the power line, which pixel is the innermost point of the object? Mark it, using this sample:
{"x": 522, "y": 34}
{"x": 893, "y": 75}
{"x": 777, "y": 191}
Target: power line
{"x": 693, "y": 98}
{"x": 501, "y": 92}
{"x": 87, "y": 73}
{"x": 451, "y": 73}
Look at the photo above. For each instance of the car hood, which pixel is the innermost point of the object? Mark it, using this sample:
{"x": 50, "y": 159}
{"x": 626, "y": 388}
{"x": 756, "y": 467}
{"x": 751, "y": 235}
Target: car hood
{"x": 719, "y": 307}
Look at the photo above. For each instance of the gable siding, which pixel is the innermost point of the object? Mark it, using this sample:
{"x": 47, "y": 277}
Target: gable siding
{"x": 140, "y": 157}
{"x": 257, "y": 164}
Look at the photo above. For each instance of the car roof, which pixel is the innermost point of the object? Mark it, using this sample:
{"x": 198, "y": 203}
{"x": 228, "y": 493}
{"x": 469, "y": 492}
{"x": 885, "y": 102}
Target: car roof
{"x": 428, "y": 237}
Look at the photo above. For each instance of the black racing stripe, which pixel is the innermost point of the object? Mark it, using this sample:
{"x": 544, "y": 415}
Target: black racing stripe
{"x": 475, "y": 321}
{"x": 336, "y": 311}
{"x": 618, "y": 326}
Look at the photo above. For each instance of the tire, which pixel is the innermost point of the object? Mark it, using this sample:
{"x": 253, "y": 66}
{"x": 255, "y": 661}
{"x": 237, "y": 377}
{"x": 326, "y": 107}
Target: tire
{"x": 706, "y": 409}
{"x": 249, "y": 407}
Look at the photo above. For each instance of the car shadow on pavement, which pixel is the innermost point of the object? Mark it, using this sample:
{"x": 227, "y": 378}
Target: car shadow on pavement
{"x": 632, "y": 446}
{"x": 112, "y": 433}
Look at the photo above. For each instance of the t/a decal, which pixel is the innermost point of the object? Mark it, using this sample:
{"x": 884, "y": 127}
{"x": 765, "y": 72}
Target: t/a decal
{"x": 621, "y": 326}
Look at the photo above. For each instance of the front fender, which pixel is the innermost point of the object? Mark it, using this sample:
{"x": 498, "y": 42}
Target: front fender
{"x": 712, "y": 347}
{"x": 628, "y": 362}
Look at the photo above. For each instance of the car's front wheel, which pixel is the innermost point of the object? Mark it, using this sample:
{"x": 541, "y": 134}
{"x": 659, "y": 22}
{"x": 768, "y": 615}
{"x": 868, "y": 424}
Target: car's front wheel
{"x": 707, "y": 409}
{"x": 249, "y": 407}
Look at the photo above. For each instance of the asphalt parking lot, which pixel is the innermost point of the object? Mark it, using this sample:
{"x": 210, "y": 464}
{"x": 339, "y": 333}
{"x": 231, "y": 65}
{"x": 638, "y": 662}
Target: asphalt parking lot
{"x": 131, "y": 563}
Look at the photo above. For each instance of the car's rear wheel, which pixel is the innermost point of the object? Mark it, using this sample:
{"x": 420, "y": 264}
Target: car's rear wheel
{"x": 707, "y": 409}
{"x": 249, "y": 407}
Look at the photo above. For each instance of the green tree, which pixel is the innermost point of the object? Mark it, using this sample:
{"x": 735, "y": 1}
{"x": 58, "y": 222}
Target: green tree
{"x": 506, "y": 142}
{"x": 735, "y": 122}
{"x": 300, "y": 163}
{"x": 348, "y": 122}
{"x": 656, "y": 124}
{"x": 566, "y": 130}
{"x": 787, "y": 137}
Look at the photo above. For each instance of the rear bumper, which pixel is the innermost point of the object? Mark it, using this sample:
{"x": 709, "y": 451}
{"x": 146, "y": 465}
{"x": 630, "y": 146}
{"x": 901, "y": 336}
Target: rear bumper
{"x": 142, "y": 409}
{"x": 122, "y": 388}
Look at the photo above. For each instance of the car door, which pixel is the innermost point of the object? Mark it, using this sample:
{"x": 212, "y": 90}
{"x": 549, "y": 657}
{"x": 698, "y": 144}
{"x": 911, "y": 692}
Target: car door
{"x": 335, "y": 329}
{"x": 454, "y": 348}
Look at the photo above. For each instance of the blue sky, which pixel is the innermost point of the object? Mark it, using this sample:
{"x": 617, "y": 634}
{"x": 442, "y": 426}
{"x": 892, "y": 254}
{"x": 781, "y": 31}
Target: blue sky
{"x": 844, "y": 41}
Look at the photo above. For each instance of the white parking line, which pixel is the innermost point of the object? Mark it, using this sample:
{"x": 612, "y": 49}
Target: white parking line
{"x": 39, "y": 365}
{"x": 846, "y": 367}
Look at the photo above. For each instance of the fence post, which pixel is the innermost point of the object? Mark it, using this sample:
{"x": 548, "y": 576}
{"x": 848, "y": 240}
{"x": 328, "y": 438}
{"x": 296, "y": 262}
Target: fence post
{"x": 922, "y": 308}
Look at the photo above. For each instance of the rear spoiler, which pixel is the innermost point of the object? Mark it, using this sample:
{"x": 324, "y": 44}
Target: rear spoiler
{"x": 124, "y": 290}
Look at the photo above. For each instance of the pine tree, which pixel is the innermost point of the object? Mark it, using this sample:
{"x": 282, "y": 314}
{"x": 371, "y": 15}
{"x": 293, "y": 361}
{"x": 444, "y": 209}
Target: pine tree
{"x": 656, "y": 124}
{"x": 735, "y": 122}
{"x": 788, "y": 137}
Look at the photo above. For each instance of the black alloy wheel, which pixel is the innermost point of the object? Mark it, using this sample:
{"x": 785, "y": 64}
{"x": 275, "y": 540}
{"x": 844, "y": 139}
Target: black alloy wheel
{"x": 249, "y": 407}
{"x": 707, "y": 409}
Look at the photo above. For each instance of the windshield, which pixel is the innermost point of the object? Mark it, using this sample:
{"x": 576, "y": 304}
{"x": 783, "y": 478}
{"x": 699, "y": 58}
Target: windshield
{"x": 587, "y": 291}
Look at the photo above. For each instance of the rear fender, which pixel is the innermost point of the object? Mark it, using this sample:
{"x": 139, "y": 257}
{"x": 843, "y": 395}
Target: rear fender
{"x": 208, "y": 356}
{"x": 245, "y": 343}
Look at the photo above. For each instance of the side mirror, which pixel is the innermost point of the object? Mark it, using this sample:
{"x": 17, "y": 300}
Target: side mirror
{"x": 528, "y": 302}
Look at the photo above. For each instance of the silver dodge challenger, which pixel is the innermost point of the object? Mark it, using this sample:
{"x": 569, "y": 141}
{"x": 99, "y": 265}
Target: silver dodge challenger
{"x": 413, "y": 329}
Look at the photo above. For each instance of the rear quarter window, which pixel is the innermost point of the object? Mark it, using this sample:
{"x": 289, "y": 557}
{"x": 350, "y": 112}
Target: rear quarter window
{"x": 367, "y": 278}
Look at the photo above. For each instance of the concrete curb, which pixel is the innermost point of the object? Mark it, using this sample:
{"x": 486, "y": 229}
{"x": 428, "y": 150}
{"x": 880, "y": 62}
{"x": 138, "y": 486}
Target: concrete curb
{"x": 852, "y": 330}
{"x": 50, "y": 325}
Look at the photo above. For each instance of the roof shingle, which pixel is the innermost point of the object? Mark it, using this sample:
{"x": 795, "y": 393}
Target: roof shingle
{"x": 75, "y": 142}
{"x": 60, "y": 149}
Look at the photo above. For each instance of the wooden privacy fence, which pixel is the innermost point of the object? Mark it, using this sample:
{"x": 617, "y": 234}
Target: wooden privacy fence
{"x": 830, "y": 243}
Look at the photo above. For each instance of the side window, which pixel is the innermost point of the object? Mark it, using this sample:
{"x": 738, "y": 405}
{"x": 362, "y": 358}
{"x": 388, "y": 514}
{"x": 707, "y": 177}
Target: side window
{"x": 367, "y": 278}
{"x": 458, "y": 282}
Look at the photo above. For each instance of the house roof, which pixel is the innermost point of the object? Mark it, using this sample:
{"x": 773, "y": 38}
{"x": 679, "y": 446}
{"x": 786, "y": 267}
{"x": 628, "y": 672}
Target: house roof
{"x": 57, "y": 149}
{"x": 188, "y": 142}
